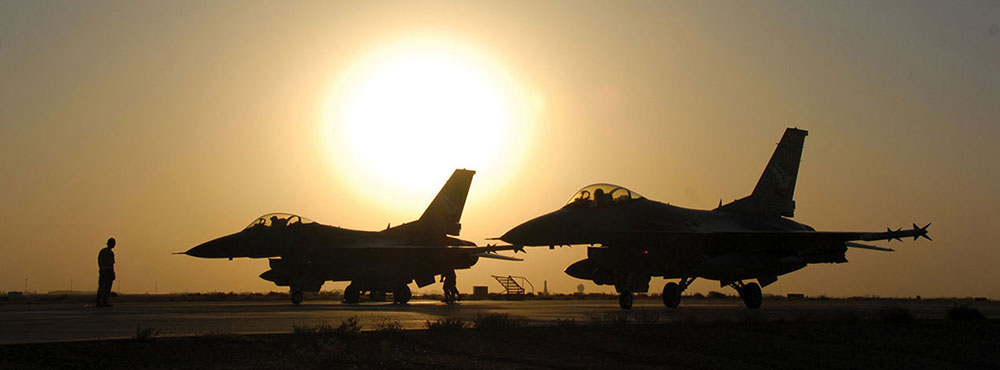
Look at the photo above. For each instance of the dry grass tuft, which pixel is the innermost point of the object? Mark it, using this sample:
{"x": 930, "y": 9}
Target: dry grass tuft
{"x": 497, "y": 321}
{"x": 445, "y": 324}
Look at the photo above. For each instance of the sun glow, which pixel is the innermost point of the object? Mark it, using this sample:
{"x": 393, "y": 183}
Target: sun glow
{"x": 406, "y": 115}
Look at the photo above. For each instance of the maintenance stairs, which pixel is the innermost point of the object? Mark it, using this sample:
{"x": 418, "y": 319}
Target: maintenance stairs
{"x": 514, "y": 286}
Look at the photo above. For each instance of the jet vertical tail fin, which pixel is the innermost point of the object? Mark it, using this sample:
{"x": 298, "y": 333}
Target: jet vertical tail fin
{"x": 773, "y": 194}
{"x": 445, "y": 211}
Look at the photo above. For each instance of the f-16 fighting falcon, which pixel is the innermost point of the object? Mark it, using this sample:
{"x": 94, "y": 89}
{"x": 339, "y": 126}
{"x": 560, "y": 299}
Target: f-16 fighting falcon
{"x": 304, "y": 254}
{"x": 632, "y": 238}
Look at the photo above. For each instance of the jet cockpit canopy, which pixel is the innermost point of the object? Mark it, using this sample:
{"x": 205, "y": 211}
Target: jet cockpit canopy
{"x": 602, "y": 195}
{"x": 278, "y": 219}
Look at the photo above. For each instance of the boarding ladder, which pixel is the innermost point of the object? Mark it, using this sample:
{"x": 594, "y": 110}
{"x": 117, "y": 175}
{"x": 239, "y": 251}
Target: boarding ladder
{"x": 514, "y": 285}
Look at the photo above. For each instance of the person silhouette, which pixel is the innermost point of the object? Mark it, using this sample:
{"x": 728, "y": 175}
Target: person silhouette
{"x": 105, "y": 273}
{"x": 602, "y": 198}
{"x": 450, "y": 290}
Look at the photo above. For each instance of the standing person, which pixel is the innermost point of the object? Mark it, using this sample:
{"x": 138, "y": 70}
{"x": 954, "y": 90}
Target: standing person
{"x": 450, "y": 291}
{"x": 106, "y": 273}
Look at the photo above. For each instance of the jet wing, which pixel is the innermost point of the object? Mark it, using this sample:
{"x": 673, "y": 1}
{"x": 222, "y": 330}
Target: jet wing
{"x": 758, "y": 240}
{"x": 488, "y": 251}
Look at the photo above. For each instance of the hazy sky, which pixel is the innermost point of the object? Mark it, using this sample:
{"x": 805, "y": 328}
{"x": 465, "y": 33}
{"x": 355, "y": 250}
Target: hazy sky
{"x": 166, "y": 124}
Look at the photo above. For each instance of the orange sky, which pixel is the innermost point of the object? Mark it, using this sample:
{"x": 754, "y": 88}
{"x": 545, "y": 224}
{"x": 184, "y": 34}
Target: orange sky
{"x": 166, "y": 125}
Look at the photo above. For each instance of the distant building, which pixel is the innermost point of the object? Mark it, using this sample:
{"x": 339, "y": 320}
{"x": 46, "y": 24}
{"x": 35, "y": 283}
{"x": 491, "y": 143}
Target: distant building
{"x": 480, "y": 292}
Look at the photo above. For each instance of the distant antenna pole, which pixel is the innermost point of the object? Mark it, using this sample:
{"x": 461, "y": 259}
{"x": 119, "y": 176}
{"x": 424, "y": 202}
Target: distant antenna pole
{"x": 71, "y": 285}
{"x": 25, "y": 285}
{"x": 156, "y": 286}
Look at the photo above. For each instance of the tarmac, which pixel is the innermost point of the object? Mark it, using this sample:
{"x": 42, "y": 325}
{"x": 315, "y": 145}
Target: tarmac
{"x": 55, "y": 322}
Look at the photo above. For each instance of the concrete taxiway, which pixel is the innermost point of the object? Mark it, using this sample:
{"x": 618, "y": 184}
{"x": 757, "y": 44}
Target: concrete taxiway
{"x": 51, "y": 322}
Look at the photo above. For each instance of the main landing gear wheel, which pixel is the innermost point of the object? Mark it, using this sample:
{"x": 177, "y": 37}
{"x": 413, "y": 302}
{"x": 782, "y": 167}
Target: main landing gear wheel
{"x": 401, "y": 295}
{"x": 751, "y": 295}
{"x": 625, "y": 300}
{"x": 671, "y": 295}
{"x": 296, "y": 296}
{"x": 352, "y": 294}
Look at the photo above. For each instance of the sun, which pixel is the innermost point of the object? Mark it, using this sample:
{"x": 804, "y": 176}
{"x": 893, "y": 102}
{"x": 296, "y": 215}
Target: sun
{"x": 404, "y": 116}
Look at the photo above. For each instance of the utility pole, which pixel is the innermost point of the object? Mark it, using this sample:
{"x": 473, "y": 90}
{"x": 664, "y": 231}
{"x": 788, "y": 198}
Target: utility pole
{"x": 71, "y": 285}
{"x": 156, "y": 286}
{"x": 25, "y": 285}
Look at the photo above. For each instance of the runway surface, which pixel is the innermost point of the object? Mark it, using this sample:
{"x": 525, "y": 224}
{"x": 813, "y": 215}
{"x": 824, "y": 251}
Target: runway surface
{"x": 52, "y": 322}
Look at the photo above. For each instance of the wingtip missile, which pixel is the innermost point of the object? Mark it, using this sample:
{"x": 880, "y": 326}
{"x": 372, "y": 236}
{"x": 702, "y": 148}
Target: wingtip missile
{"x": 923, "y": 232}
{"x": 891, "y": 237}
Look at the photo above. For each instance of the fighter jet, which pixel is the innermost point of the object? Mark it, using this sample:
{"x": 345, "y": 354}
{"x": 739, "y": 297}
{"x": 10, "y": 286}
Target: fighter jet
{"x": 304, "y": 254}
{"x": 632, "y": 238}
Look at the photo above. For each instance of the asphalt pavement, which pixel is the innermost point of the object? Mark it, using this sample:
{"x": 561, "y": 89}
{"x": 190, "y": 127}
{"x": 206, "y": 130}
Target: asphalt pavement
{"x": 53, "y": 322}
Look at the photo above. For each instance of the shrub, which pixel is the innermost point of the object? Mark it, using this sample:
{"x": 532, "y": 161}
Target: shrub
{"x": 610, "y": 318}
{"x": 497, "y": 321}
{"x": 219, "y": 335}
{"x": 144, "y": 334}
{"x": 963, "y": 312}
{"x": 564, "y": 323}
{"x": 321, "y": 328}
{"x": 447, "y": 323}
{"x": 714, "y": 294}
{"x": 388, "y": 326}
{"x": 350, "y": 326}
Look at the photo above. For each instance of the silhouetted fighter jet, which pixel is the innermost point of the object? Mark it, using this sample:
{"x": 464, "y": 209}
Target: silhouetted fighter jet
{"x": 750, "y": 238}
{"x": 304, "y": 254}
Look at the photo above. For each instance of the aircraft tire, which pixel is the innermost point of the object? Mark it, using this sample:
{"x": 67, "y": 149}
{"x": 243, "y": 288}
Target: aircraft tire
{"x": 402, "y": 295}
{"x": 625, "y": 300}
{"x": 671, "y": 295}
{"x": 296, "y": 296}
{"x": 352, "y": 294}
{"x": 752, "y": 296}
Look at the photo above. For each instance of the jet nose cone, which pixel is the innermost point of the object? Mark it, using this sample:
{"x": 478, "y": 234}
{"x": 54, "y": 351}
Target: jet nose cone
{"x": 537, "y": 231}
{"x": 514, "y": 236}
{"x": 582, "y": 269}
{"x": 224, "y": 247}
